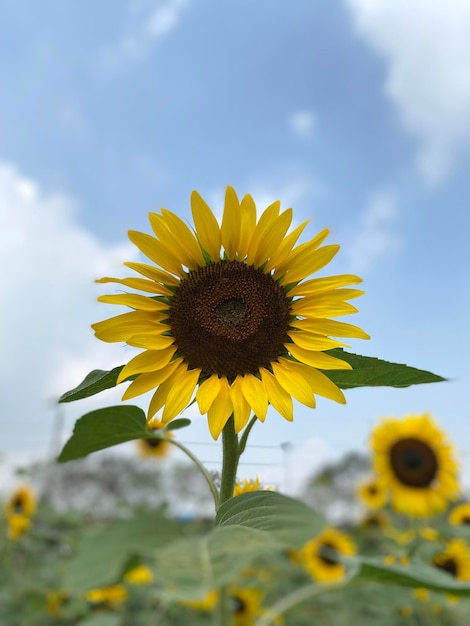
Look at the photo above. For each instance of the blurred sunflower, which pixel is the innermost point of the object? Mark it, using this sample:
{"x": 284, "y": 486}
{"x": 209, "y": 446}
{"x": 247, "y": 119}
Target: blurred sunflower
{"x": 372, "y": 493}
{"x": 107, "y": 596}
{"x": 249, "y": 485}
{"x": 455, "y": 560}
{"x": 460, "y": 515}
{"x": 321, "y": 556}
{"x": 21, "y": 502}
{"x": 246, "y": 605}
{"x": 139, "y": 575}
{"x": 155, "y": 447}
{"x": 242, "y": 328}
{"x": 416, "y": 463}
{"x": 207, "y": 603}
{"x": 375, "y": 520}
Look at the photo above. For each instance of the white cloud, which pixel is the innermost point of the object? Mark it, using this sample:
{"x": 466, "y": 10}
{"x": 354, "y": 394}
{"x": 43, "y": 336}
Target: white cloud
{"x": 426, "y": 44}
{"x": 302, "y": 123}
{"x": 49, "y": 262}
{"x": 151, "y": 24}
{"x": 374, "y": 236}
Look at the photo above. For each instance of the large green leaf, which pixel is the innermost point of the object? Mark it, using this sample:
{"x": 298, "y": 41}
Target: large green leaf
{"x": 287, "y": 520}
{"x": 191, "y": 567}
{"x": 105, "y": 428}
{"x": 415, "y": 574}
{"x": 103, "y": 552}
{"x": 371, "y": 372}
{"x": 93, "y": 383}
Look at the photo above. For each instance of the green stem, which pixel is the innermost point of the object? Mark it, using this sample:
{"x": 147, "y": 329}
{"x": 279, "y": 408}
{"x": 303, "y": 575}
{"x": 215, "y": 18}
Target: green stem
{"x": 202, "y": 469}
{"x": 230, "y": 458}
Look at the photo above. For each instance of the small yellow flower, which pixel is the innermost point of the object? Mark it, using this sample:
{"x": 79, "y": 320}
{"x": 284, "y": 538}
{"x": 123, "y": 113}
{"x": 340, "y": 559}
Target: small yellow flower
{"x": 421, "y": 594}
{"x": 375, "y": 520}
{"x": 372, "y": 493}
{"x": 455, "y": 560}
{"x": 140, "y": 575}
{"x": 321, "y": 555}
{"x": 428, "y": 533}
{"x": 246, "y": 605}
{"x": 416, "y": 463}
{"x": 109, "y": 596}
{"x": 156, "y": 447}
{"x": 249, "y": 485}
{"x": 389, "y": 559}
{"x": 21, "y": 502}
{"x": 460, "y": 515}
{"x": 230, "y": 314}
{"x": 206, "y": 603}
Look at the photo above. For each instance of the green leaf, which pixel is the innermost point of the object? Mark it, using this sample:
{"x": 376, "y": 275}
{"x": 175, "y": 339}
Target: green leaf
{"x": 287, "y": 520}
{"x": 103, "y": 552}
{"x": 95, "y": 382}
{"x": 182, "y": 422}
{"x": 412, "y": 575}
{"x": 106, "y": 619}
{"x": 189, "y": 568}
{"x": 371, "y": 372}
{"x": 105, "y": 428}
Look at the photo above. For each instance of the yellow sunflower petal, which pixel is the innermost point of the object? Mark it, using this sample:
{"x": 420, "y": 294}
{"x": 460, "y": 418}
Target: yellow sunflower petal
{"x": 231, "y": 222}
{"x": 157, "y": 252}
{"x": 312, "y": 341}
{"x": 293, "y": 382}
{"x": 147, "y": 382}
{"x": 207, "y": 393}
{"x": 261, "y": 228}
{"x": 302, "y": 251}
{"x": 159, "y": 276}
{"x": 160, "y": 396}
{"x": 278, "y": 396}
{"x": 285, "y": 248}
{"x": 241, "y": 408}
{"x": 330, "y": 327}
{"x": 185, "y": 238}
{"x": 221, "y": 409}
{"x": 255, "y": 394}
{"x": 180, "y": 395}
{"x": 306, "y": 264}
{"x": 138, "y": 283}
{"x": 319, "y": 382}
{"x": 326, "y": 283}
{"x": 134, "y": 300}
{"x": 207, "y": 228}
{"x": 306, "y": 307}
{"x": 151, "y": 341}
{"x": 148, "y": 361}
{"x": 247, "y": 225}
{"x": 318, "y": 359}
{"x": 273, "y": 239}
{"x": 120, "y": 327}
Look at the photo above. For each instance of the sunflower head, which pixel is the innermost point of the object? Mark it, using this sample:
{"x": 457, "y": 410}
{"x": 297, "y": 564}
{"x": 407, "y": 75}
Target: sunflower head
{"x": 230, "y": 314}
{"x": 372, "y": 493}
{"x": 416, "y": 464}
{"x": 321, "y": 556}
{"x": 460, "y": 515}
{"x": 155, "y": 447}
{"x": 246, "y": 486}
{"x": 375, "y": 520}
{"x": 139, "y": 575}
{"x": 245, "y": 605}
{"x": 17, "y": 525}
{"x": 21, "y": 502}
{"x": 455, "y": 560}
{"x": 107, "y": 596}
{"x": 207, "y": 603}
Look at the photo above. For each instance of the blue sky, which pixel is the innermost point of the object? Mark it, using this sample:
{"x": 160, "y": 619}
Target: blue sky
{"x": 355, "y": 113}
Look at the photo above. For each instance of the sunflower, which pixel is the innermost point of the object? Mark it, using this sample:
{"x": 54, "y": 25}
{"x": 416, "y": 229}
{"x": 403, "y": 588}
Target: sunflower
{"x": 246, "y": 605}
{"x": 460, "y": 515}
{"x": 156, "y": 447}
{"x": 321, "y": 556}
{"x": 107, "y": 596}
{"x": 249, "y": 485}
{"x": 17, "y": 525}
{"x": 139, "y": 575}
{"x": 241, "y": 328}
{"x": 416, "y": 463}
{"x": 375, "y": 520}
{"x": 207, "y": 603}
{"x": 21, "y": 502}
{"x": 455, "y": 560}
{"x": 372, "y": 493}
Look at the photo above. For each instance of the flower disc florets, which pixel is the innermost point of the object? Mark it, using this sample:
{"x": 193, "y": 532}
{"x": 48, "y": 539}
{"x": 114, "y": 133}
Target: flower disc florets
{"x": 230, "y": 315}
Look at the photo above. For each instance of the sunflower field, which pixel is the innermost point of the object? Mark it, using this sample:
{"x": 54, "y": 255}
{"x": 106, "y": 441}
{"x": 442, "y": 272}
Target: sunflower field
{"x": 232, "y": 317}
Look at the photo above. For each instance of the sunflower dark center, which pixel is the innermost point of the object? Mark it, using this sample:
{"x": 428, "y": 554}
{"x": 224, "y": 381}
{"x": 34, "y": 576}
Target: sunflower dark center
{"x": 447, "y": 565}
{"x": 238, "y": 606}
{"x": 328, "y": 554}
{"x": 153, "y": 443}
{"x": 373, "y": 490}
{"x": 414, "y": 463}
{"x": 466, "y": 520}
{"x": 18, "y": 504}
{"x": 229, "y": 318}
